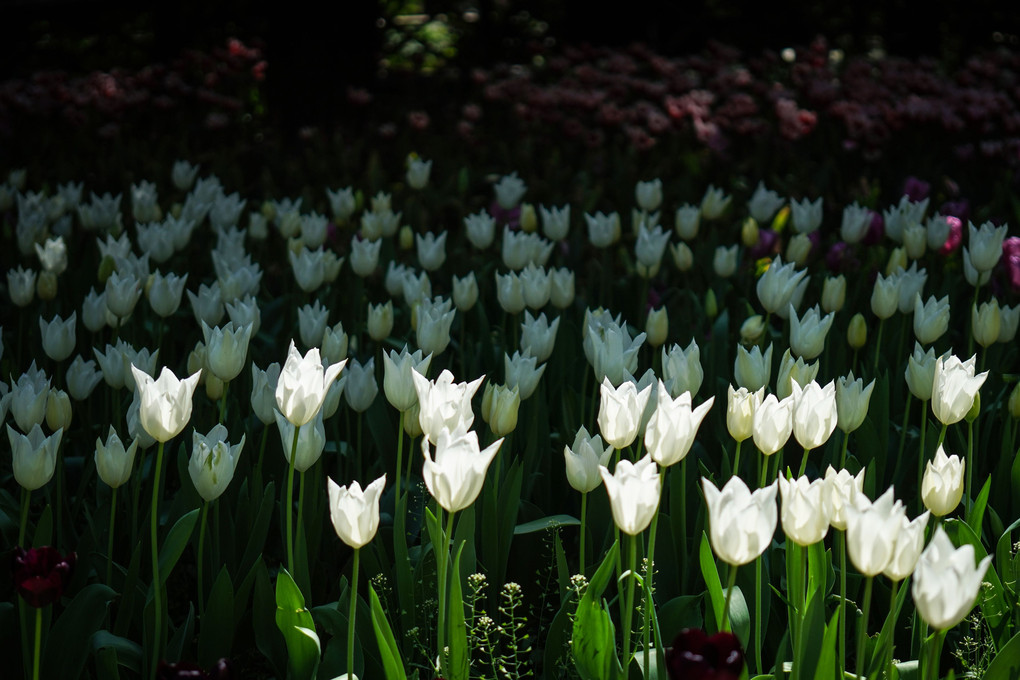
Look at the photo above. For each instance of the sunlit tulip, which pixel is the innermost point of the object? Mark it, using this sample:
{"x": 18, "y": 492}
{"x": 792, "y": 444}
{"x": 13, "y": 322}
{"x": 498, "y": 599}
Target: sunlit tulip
{"x": 807, "y": 334}
{"x": 355, "y": 512}
{"x": 909, "y": 541}
{"x": 113, "y": 461}
{"x": 213, "y": 461}
{"x": 803, "y": 514}
{"x": 852, "y": 400}
{"x": 443, "y": 403}
{"x": 841, "y": 490}
{"x": 772, "y": 424}
{"x": 456, "y": 474}
{"x": 740, "y": 408}
{"x": 583, "y": 458}
{"x": 500, "y": 407}
{"x": 931, "y": 319}
{"x": 776, "y": 286}
{"x": 954, "y": 388}
{"x": 752, "y": 369}
{"x": 942, "y": 485}
{"x": 791, "y": 372}
{"x": 672, "y": 427}
{"x": 740, "y": 523}
{"x": 34, "y": 456}
{"x": 920, "y": 373}
{"x": 871, "y": 532}
{"x": 681, "y": 369}
{"x": 310, "y": 443}
{"x": 633, "y": 490}
{"x": 165, "y": 403}
{"x": 946, "y": 581}
{"x": 302, "y": 385}
{"x": 620, "y": 412}
{"x": 226, "y": 348}
{"x": 398, "y": 383}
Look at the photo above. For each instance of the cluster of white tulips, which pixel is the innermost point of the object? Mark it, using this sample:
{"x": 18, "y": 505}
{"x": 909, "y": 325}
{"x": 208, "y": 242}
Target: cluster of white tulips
{"x": 615, "y": 386}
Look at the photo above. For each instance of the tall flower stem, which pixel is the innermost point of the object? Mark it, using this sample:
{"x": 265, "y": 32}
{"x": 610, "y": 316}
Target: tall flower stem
{"x": 442, "y": 565}
{"x": 38, "y": 643}
{"x": 109, "y": 540}
{"x": 935, "y": 649}
{"x": 759, "y": 664}
{"x": 352, "y": 612}
{"x": 803, "y": 462}
{"x": 842, "y": 453}
{"x": 942, "y": 435}
{"x": 223, "y": 401}
{"x": 649, "y": 579}
{"x": 878, "y": 347}
{"x": 157, "y": 584}
{"x": 922, "y": 458}
{"x": 970, "y": 463}
{"x": 301, "y": 511}
{"x": 26, "y": 497}
{"x": 628, "y": 606}
{"x": 584, "y": 529}
{"x": 736, "y": 460}
{"x": 841, "y": 545}
{"x": 290, "y": 502}
{"x": 862, "y": 629}
{"x": 892, "y": 641}
{"x": 400, "y": 456}
{"x": 203, "y": 520}
{"x": 258, "y": 462}
{"x": 731, "y": 584}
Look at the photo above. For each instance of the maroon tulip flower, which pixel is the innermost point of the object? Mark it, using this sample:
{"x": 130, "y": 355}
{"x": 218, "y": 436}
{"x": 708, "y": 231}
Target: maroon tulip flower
{"x": 185, "y": 670}
{"x": 41, "y": 574}
{"x": 696, "y": 656}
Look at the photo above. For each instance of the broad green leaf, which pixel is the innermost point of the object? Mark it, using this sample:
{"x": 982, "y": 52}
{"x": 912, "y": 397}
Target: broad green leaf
{"x": 812, "y": 630}
{"x": 976, "y": 515}
{"x": 182, "y": 636}
{"x": 216, "y": 633}
{"x": 828, "y": 665}
{"x": 393, "y": 665}
{"x": 594, "y": 637}
{"x": 259, "y": 531}
{"x": 551, "y": 522}
{"x": 69, "y": 641}
{"x": 298, "y": 628}
{"x": 1006, "y": 664}
{"x": 128, "y": 652}
{"x": 173, "y": 547}
{"x": 268, "y": 637}
{"x": 716, "y": 596}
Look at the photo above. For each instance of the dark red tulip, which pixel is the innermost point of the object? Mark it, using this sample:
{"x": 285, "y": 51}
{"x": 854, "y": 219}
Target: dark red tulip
{"x": 696, "y": 656}
{"x": 41, "y": 574}
{"x": 186, "y": 670}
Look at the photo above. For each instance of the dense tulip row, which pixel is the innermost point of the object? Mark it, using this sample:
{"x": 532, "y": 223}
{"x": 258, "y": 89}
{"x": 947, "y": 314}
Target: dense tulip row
{"x": 467, "y": 503}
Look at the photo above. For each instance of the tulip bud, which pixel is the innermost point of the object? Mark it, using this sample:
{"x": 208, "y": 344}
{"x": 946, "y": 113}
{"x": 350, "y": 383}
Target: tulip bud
{"x": 213, "y": 386}
{"x": 529, "y": 220}
{"x": 412, "y": 423}
{"x": 749, "y": 233}
{"x": 58, "y": 410}
{"x": 406, "y": 238}
{"x": 885, "y": 297}
{"x": 687, "y": 221}
{"x": 724, "y": 263}
{"x": 857, "y": 331}
{"x": 1014, "y": 401}
{"x": 897, "y": 260}
{"x": 683, "y": 257}
{"x": 711, "y": 305}
{"x": 798, "y": 249}
{"x": 740, "y": 407}
{"x": 47, "y": 285}
{"x": 752, "y": 330}
{"x": 500, "y": 406}
{"x": 985, "y": 322}
{"x": 975, "y": 409}
{"x": 380, "y": 321}
{"x": 834, "y": 293}
{"x": 915, "y": 240}
{"x": 657, "y": 327}
{"x": 942, "y": 485}
{"x": 106, "y": 268}
{"x": 465, "y": 292}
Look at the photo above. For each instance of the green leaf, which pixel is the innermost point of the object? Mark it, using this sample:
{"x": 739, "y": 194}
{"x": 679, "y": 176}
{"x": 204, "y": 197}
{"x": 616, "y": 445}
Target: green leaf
{"x": 393, "y": 665}
{"x": 551, "y": 522}
{"x": 69, "y": 641}
{"x": 217, "y": 632}
{"x": 128, "y": 652}
{"x": 812, "y": 630}
{"x": 711, "y": 575}
{"x": 173, "y": 547}
{"x": 298, "y": 628}
{"x": 976, "y": 515}
{"x": 43, "y": 534}
{"x": 181, "y": 636}
{"x": 679, "y": 613}
{"x": 594, "y": 637}
{"x": 268, "y": 638}
{"x": 259, "y": 530}
{"x": 405, "y": 582}
{"x": 1006, "y": 664}
{"x": 460, "y": 655}
{"x": 828, "y": 666}
{"x": 126, "y": 609}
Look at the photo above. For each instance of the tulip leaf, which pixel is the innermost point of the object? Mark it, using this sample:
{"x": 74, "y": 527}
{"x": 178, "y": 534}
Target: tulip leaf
{"x": 402, "y": 564}
{"x": 259, "y": 530}
{"x": 43, "y": 534}
{"x": 710, "y": 573}
{"x": 216, "y": 635}
{"x": 594, "y": 636}
{"x": 298, "y": 628}
{"x": 828, "y": 666}
{"x": 268, "y": 638}
{"x": 389, "y": 652}
{"x": 976, "y": 513}
{"x": 551, "y": 522}
{"x": 1003, "y": 557}
{"x": 131, "y": 590}
{"x": 460, "y": 656}
{"x": 885, "y": 637}
{"x": 1006, "y": 663}
{"x": 557, "y": 641}
{"x": 69, "y": 641}
{"x": 176, "y": 542}
{"x": 679, "y": 613}
{"x": 128, "y": 652}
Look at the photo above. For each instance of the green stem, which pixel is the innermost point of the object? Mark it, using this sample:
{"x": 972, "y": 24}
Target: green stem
{"x": 878, "y": 347}
{"x": 202, "y": 521}
{"x": 841, "y": 545}
{"x": 38, "y": 643}
{"x": 803, "y": 462}
{"x": 942, "y": 435}
{"x": 109, "y": 540}
{"x": 26, "y": 497}
{"x": 353, "y": 610}
{"x": 290, "y": 502}
{"x": 892, "y": 639}
{"x": 903, "y": 428}
{"x": 442, "y": 565}
{"x": 759, "y": 664}
{"x": 223, "y": 401}
{"x": 301, "y": 515}
{"x": 862, "y": 629}
{"x": 763, "y": 470}
{"x": 970, "y": 464}
{"x": 400, "y": 454}
{"x": 683, "y": 511}
{"x": 923, "y": 457}
{"x": 584, "y": 521}
{"x": 258, "y": 463}
{"x": 650, "y": 576}
{"x": 736, "y": 460}
{"x": 732, "y": 582}
{"x": 157, "y": 583}
{"x": 842, "y": 453}
{"x": 628, "y": 607}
